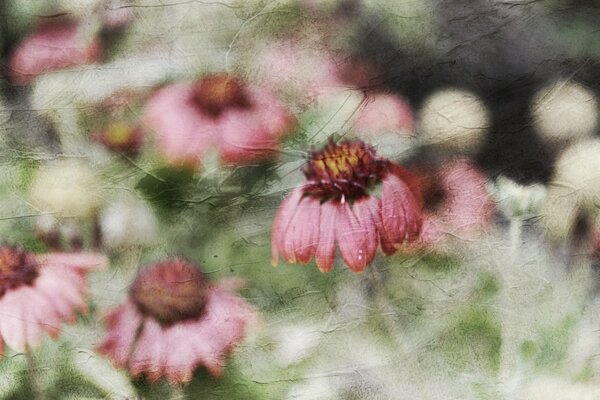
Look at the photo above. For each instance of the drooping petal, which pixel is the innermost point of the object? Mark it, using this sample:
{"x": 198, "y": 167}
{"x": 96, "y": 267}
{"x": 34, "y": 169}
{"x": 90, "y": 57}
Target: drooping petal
{"x": 67, "y": 284}
{"x": 181, "y": 360}
{"x": 50, "y": 284}
{"x": 400, "y": 214}
{"x": 122, "y": 326}
{"x": 282, "y": 220}
{"x": 366, "y": 213}
{"x": 325, "y": 251}
{"x": 12, "y": 327}
{"x": 222, "y": 327}
{"x": 355, "y": 239}
{"x": 41, "y": 313}
{"x": 150, "y": 351}
{"x": 307, "y": 217}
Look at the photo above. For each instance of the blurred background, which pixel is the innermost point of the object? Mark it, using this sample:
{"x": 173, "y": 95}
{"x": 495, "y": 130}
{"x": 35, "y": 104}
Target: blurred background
{"x": 494, "y": 105}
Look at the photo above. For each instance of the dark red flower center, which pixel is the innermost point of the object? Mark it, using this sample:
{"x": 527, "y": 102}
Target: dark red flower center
{"x": 170, "y": 291}
{"x": 347, "y": 170}
{"x": 17, "y": 268}
{"x": 216, "y": 93}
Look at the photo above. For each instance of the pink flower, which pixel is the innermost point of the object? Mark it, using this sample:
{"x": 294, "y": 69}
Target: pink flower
{"x": 338, "y": 206}
{"x": 39, "y": 292}
{"x": 460, "y": 203}
{"x": 244, "y": 122}
{"x": 174, "y": 321}
{"x": 52, "y": 46}
{"x": 384, "y": 113}
{"x": 300, "y": 67}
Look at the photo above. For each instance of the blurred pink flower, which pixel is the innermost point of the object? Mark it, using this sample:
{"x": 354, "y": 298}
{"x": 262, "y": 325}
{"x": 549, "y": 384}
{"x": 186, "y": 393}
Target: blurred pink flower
{"x": 52, "y": 46}
{"x": 384, "y": 113}
{"x": 337, "y": 204}
{"x": 244, "y": 122}
{"x": 309, "y": 72}
{"x": 463, "y": 206}
{"x": 173, "y": 321}
{"x": 39, "y": 292}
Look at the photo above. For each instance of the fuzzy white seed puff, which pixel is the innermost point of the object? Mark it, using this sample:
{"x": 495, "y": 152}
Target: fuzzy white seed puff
{"x": 66, "y": 188}
{"x": 565, "y": 111}
{"x": 454, "y": 119}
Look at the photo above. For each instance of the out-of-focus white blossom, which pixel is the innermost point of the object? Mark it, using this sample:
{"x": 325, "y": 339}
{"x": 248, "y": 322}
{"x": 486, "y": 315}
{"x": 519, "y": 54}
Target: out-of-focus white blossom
{"x": 564, "y": 111}
{"x": 514, "y": 199}
{"x": 453, "y": 119}
{"x": 67, "y": 188}
{"x": 578, "y": 171}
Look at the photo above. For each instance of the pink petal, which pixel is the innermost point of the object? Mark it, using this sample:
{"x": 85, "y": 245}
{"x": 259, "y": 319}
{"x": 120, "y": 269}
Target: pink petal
{"x": 223, "y": 326}
{"x": 307, "y": 216}
{"x": 356, "y": 238}
{"x": 366, "y": 211}
{"x": 12, "y": 326}
{"x": 183, "y": 133}
{"x": 400, "y": 214}
{"x": 50, "y": 284}
{"x": 282, "y": 220}
{"x": 67, "y": 284}
{"x": 84, "y": 261}
{"x": 181, "y": 359}
{"x": 51, "y": 46}
{"x": 43, "y": 314}
{"x": 32, "y": 329}
{"x": 122, "y": 326}
{"x": 301, "y": 236}
{"x": 150, "y": 351}
{"x": 325, "y": 252}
